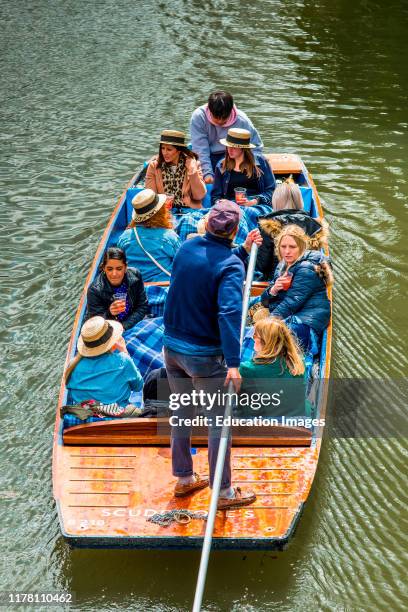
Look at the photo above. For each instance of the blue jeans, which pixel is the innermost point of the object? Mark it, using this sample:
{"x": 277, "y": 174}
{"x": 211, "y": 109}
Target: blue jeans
{"x": 196, "y": 372}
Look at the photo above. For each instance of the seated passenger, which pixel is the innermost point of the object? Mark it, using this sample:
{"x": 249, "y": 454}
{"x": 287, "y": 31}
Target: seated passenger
{"x": 102, "y": 370}
{"x": 149, "y": 242}
{"x": 210, "y": 123}
{"x": 241, "y": 169}
{"x": 287, "y": 204}
{"x": 277, "y": 356}
{"x": 298, "y": 291}
{"x": 176, "y": 171}
{"x": 118, "y": 291}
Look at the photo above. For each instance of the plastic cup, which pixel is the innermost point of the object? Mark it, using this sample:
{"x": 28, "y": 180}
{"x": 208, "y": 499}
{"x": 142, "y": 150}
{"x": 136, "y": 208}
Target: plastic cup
{"x": 240, "y": 195}
{"x": 121, "y": 297}
{"x": 286, "y": 280}
{"x": 170, "y": 200}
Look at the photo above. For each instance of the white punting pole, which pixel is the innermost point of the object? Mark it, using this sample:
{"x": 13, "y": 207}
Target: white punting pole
{"x": 222, "y": 449}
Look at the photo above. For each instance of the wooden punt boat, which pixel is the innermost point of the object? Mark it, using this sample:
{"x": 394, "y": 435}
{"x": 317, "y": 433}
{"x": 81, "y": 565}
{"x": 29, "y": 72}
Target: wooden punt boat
{"x": 109, "y": 477}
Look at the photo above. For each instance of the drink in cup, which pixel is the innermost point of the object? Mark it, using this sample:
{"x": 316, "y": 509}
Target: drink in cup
{"x": 286, "y": 280}
{"x": 120, "y": 296}
{"x": 240, "y": 195}
{"x": 170, "y": 200}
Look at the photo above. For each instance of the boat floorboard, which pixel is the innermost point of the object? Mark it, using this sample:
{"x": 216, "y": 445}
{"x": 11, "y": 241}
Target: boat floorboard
{"x": 104, "y": 493}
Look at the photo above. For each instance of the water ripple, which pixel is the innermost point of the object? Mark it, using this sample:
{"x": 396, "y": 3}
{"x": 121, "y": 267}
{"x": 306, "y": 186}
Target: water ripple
{"x": 84, "y": 100}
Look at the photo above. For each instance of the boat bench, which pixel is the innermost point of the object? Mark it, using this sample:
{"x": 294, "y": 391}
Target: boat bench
{"x": 156, "y": 432}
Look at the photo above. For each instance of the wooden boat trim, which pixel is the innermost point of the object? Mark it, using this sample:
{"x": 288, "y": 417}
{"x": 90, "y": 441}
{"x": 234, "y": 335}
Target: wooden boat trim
{"x": 156, "y": 431}
{"x": 100, "y": 496}
{"x": 285, "y": 163}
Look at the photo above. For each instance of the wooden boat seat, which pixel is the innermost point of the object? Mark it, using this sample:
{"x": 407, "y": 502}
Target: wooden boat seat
{"x": 156, "y": 432}
{"x": 257, "y": 287}
{"x": 284, "y": 163}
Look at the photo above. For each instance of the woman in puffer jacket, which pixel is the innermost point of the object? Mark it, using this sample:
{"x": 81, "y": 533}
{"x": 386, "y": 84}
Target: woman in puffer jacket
{"x": 287, "y": 204}
{"x": 298, "y": 292}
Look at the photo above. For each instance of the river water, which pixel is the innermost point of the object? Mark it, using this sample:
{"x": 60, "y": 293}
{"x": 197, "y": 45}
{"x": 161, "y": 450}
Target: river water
{"x": 86, "y": 89}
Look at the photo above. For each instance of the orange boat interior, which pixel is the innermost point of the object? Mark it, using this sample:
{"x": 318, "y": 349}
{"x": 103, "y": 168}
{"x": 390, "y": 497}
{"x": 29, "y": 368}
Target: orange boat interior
{"x": 111, "y": 477}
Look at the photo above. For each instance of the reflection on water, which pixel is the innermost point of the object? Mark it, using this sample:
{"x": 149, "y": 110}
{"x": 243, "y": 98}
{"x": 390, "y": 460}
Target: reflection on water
{"x": 84, "y": 97}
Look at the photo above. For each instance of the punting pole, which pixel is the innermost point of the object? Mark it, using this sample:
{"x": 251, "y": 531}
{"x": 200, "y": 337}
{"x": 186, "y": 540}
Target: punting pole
{"x": 222, "y": 449}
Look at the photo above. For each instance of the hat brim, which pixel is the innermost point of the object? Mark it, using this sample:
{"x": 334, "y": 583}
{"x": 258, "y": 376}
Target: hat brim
{"x": 94, "y": 351}
{"x": 224, "y": 141}
{"x": 172, "y": 143}
{"x": 145, "y": 216}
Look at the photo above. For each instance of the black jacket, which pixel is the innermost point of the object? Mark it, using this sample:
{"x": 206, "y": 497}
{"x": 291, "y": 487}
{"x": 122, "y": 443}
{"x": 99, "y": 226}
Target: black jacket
{"x": 100, "y": 297}
{"x": 267, "y": 260}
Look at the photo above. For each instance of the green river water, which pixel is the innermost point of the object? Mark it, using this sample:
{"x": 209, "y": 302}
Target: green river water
{"x": 85, "y": 90}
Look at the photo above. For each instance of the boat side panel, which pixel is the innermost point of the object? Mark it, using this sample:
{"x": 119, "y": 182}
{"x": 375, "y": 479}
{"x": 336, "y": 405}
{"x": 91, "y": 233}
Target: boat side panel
{"x": 118, "y": 214}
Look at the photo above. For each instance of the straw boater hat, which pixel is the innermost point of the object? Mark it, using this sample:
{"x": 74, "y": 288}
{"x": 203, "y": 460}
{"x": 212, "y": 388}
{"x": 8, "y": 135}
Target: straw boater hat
{"x": 173, "y": 137}
{"x": 239, "y": 138}
{"x": 98, "y": 336}
{"x": 146, "y": 203}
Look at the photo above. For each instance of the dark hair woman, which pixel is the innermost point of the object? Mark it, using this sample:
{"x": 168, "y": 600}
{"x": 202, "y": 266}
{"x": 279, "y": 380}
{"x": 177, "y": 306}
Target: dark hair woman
{"x": 117, "y": 292}
{"x": 242, "y": 176}
{"x": 176, "y": 171}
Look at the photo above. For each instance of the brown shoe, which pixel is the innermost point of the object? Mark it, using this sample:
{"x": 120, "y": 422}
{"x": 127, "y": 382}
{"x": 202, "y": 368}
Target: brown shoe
{"x": 241, "y": 498}
{"x": 186, "y": 489}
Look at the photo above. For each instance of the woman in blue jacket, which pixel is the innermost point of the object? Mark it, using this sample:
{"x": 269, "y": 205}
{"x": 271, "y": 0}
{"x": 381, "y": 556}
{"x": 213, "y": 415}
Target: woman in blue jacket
{"x": 298, "y": 291}
{"x": 242, "y": 169}
{"x": 102, "y": 369}
{"x": 150, "y": 243}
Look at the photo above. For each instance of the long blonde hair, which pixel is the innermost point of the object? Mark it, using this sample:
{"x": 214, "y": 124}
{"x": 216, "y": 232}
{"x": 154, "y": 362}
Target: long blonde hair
{"x": 287, "y": 195}
{"x": 278, "y": 342}
{"x": 298, "y": 235}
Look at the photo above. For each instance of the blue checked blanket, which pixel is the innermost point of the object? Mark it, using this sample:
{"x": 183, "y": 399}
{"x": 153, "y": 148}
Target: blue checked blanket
{"x": 156, "y": 296}
{"x": 145, "y": 343}
{"x": 186, "y": 223}
{"x": 70, "y": 420}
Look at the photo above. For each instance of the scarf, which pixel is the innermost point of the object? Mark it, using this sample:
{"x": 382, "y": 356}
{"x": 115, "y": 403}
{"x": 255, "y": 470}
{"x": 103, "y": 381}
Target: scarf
{"x": 228, "y": 122}
{"x": 173, "y": 181}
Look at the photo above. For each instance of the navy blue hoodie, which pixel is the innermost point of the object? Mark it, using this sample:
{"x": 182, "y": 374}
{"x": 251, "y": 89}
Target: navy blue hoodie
{"x": 204, "y": 303}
